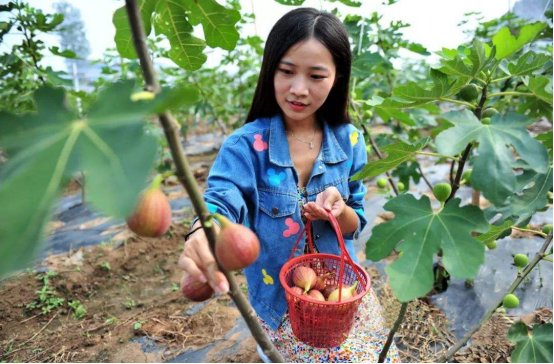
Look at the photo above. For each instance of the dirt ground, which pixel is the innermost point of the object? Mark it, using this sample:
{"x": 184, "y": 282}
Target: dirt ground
{"x": 130, "y": 291}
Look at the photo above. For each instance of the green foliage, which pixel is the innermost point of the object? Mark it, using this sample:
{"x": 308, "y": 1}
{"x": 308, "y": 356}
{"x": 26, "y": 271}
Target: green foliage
{"x": 46, "y": 300}
{"x": 175, "y": 20}
{"x": 493, "y": 172}
{"x": 407, "y": 170}
{"x": 79, "y": 311}
{"x": 533, "y": 346}
{"x": 21, "y": 72}
{"x": 495, "y": 232}
{"x": 418, "y": 233}
{"x": 46, "y": 147}
{"x": 507, "y": 44}
{"x": 396, "y": 154}
{"x": 533, "y": 197}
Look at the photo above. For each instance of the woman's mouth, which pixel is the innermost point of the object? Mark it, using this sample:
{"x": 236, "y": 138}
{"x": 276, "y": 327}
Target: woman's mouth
{"x": 296, "y": 106}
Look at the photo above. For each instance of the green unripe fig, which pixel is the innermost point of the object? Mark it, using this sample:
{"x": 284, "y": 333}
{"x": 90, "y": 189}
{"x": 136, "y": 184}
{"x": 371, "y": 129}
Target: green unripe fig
{"x": 400, "y": 186}
{"x": 489, "y": 112}
{"x": 510, "y": 301}
{"x": 521, "y": 260}
{"x": 382, "y": 182}
{"x": 467, "y": 176}
{"x": 491, "y": 245}
{"x": 547, "y": 229}
{"x": 469, "y": 92}
{"x": 442, "y": 191}
{"x": 486, "y": 121}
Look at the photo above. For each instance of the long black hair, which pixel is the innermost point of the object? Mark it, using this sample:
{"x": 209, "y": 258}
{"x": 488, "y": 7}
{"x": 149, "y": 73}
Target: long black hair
{"x": 295, "y": 26}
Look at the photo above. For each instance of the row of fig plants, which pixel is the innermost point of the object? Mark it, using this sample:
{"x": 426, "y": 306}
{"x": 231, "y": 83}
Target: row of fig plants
{"x": 495, "y": 91}
{"x": 110, "y": 142}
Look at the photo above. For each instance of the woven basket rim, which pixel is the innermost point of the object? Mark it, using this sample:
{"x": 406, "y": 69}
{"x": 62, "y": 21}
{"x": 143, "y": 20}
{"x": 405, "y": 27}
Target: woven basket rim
{"x": 307, "y": 298}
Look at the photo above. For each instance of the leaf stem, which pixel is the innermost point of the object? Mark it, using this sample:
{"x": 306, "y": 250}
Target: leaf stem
{"x": 536, "y": 232}
{"x": 437, "y": 155}
{"x": 511, "y": 93}
{"x": 186, "y": 177}
{"x": 500, "y": 79}
{"x": 460, "y": 102}
{"x": 520, "y": 277}
{"x": 547, "y": 259}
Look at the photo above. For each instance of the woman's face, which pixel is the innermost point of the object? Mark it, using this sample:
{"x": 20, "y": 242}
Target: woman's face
{"x": 303, "y": 79}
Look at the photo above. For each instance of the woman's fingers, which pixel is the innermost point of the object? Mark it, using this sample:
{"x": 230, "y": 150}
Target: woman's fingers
{"x": 198, "y": 261}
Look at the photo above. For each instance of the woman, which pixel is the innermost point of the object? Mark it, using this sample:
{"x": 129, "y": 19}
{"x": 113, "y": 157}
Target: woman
{"x": 292, "y": 161}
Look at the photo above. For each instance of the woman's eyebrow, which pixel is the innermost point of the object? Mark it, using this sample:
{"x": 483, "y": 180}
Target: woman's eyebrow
{"x": 315, "y": 68}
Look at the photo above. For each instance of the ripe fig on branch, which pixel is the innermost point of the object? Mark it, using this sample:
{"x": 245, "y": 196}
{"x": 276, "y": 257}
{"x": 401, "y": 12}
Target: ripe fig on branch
{"x": 236, "y": 246}
{"x": 195, "y": 290}
{"x": 152, "y": 215}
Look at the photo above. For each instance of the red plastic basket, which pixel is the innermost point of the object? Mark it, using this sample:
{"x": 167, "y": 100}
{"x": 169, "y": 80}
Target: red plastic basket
{"x": 317, "y": 323}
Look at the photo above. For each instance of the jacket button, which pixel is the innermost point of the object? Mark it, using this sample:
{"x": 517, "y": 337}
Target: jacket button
{"x": 275, "y": 211}
{"x": 317, "y": 236}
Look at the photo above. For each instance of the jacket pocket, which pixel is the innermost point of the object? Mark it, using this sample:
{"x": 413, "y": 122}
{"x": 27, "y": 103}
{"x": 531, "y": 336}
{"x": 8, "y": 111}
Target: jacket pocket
{"x": 275, "y": 204}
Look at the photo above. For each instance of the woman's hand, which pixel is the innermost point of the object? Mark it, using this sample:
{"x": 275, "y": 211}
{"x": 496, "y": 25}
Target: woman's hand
{"x": 328, "y": 200}
{"x": 198, "y": 261}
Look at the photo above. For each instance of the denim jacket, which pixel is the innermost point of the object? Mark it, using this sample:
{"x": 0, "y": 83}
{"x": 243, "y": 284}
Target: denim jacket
{"x": 253, "y": 182}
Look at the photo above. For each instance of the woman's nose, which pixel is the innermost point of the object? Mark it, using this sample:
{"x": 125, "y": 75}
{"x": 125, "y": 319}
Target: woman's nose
{"x": 299, "y": 86}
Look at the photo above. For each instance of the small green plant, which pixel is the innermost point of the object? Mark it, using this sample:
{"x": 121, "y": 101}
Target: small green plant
{"x": 130, "y": 304}
{"x": 105, "y": 266}
{"x": 138, "y": 325}
{"x": 174, "y": 287}
{"x": 47, "y": 299}
{"x": 79, "y": 311}
{"x": 112, "y": 320}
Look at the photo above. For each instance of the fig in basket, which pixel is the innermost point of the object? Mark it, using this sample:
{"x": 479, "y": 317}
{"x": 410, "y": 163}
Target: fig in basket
{"x": 347, "y": 292}
{"x": 328, "y": 289}
{"x": 304, "y": 277}
{"x": 320, "y": 282}
{"x": 316, "y": 295}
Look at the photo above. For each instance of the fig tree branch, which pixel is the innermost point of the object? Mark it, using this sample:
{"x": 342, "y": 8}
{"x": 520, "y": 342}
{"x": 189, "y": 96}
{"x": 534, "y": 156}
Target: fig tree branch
{"x": 467, "y": 151}
{"x": 520, "y": 277}
{"x": 186, "y": 177}
{"x": 404, "y": 306}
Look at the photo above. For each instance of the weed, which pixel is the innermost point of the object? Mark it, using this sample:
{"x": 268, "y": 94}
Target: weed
{"x": 112, "y": 320}
{"x": 47, "y": 299}
{"x": 79, "y": 311}
{"x": 130, "y": 304}
{"x": 174, "y": 287}
{"x": 138, "y": 325}
{"x": 105, "y": 266}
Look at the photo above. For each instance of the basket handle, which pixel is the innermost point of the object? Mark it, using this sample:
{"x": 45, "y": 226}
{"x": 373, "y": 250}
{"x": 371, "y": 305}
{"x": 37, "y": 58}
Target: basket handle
{"x": 343, "y": 251}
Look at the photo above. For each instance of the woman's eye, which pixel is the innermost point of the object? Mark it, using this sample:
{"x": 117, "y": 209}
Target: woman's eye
{"x": 318, "y": 77}
{"x": 285, "y": 71}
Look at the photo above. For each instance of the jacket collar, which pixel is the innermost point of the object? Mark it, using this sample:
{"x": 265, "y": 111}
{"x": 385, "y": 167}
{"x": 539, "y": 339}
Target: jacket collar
{"x": 331, "y": 151}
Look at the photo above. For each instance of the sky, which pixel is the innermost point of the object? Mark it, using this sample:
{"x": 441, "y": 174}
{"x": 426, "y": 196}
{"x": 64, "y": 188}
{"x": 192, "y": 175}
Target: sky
{"x": 433, "y": 22}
